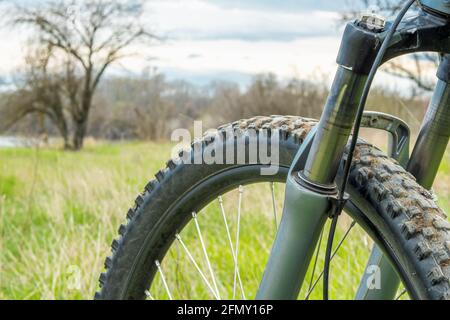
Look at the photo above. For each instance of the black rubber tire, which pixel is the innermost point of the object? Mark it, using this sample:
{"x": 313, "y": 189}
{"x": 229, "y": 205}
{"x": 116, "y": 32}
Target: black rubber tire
{"x": 400, "y": 215}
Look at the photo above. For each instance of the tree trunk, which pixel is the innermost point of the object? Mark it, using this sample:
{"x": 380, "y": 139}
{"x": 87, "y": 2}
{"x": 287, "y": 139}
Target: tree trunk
{"x": 60, "y": 122}
{"x": 79, "y": 134}
{"x": 67, "y": 145}
{"x": 81, "y": 120}
{"x": 65, "y": 135}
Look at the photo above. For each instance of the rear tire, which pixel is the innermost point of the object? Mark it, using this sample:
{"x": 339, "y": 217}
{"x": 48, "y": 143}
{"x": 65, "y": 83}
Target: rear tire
{"x": 400, "y": 215}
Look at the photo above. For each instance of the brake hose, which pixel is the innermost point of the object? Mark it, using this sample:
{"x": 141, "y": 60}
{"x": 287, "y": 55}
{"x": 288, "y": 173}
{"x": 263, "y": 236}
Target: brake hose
{"x": 348, "y": 163}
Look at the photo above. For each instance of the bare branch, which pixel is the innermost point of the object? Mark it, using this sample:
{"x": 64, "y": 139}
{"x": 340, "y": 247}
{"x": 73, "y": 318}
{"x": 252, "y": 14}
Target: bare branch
{"x": 85, "y": 37}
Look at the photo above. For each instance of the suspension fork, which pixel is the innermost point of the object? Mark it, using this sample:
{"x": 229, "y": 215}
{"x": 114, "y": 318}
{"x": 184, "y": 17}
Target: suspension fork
{"x": 307, "y": 201}
{"x": 423, "y": 165}
{"x": 310, "y": 189}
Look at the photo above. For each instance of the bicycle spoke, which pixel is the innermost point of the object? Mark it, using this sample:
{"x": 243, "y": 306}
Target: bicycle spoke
{"x": 332, "y": 256}
{"x": 236, "y": 268}
{"x": 178, "y": 237}
{"x": 149, "y": 295}
{"x": 231, "y": 244}
{"x": 163, "y": 278}
{"x": 272, "y": 187}
{"x": 315, "y": 261}
{"x": 194, "y": 215}
{"x": 401, "y": 294}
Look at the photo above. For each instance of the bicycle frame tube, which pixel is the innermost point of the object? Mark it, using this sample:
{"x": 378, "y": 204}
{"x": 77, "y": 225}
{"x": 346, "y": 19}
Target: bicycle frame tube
{"x": 310, "y": 187}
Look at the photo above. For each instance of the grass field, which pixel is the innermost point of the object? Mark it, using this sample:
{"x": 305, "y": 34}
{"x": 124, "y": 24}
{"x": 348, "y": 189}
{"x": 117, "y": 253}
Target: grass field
{"x": 59, "y": 212}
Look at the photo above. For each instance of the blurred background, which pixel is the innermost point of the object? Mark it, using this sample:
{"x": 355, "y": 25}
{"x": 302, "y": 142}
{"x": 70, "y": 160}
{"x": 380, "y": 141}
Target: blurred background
{"x": 91, "y": 90}
{"x": 143, "y": 68}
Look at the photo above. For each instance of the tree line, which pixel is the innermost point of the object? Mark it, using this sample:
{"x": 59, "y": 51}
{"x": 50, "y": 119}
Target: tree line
{"x": 150, "y": 107}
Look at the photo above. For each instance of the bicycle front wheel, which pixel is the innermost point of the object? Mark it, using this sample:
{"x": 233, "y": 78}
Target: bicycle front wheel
{"x": 205, "y": 231}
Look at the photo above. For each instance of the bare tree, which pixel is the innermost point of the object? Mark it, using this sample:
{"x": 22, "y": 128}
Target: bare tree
{"x": 89, "y": 36}
{"x": 418, "y": 64}
{"x": 415, "y": 70}
{"x": 152, "y": 111}
{"x": 265, "y": 96}
{"x": 39, "y": 92}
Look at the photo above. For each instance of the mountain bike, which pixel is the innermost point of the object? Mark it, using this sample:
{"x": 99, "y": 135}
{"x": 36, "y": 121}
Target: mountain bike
{"x": 191, "y": 234}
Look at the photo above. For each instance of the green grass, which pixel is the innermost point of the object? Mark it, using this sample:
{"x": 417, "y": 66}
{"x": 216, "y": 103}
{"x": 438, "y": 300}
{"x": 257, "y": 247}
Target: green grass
{"x": 59, "y": 212}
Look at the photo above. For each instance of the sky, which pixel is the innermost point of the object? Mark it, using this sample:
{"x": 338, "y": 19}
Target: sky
{"x": 230, "y": 40}
{"x": 234, "y": 40}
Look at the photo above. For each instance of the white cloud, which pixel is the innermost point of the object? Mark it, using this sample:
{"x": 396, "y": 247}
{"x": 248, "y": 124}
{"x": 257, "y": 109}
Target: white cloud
{"x": 208, "y": 38}
{"x": 300, "y": 57}
{"x": 12, "y": 50}
{"x": 200, "y": 19}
